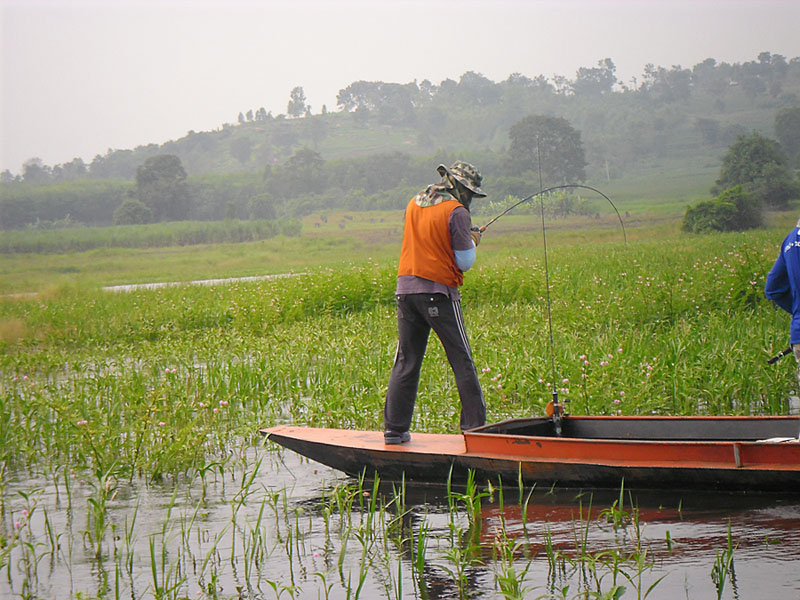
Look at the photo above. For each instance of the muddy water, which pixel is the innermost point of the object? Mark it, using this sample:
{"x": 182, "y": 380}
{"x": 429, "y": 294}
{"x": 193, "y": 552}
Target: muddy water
{"x": 273, "y": 525}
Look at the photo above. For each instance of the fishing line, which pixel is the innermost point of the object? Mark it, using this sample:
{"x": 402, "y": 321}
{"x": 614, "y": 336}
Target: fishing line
{"x": 557, "y": 411}
{"x": 553, "y": 189}
{"x": 556, "y": 406}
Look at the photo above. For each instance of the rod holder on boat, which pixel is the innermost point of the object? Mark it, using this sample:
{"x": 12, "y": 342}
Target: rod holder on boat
{"x": 554, "y": 411}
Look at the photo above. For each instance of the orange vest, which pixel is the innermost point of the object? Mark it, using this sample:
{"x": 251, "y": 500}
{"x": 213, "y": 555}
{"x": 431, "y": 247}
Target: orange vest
{"x": 427, "y": 249}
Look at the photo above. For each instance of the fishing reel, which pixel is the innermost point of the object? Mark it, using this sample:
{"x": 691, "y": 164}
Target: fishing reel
{"x": 557, "y": 411}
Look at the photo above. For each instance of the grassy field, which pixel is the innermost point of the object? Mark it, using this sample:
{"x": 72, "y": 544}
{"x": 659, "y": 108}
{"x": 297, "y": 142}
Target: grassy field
{"x": 633, "y": 333}
{"x": 330, "y": 239}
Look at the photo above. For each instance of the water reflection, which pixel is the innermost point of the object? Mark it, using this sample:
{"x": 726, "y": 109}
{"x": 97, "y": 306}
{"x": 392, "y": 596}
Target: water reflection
{"x": 277, "y": 525}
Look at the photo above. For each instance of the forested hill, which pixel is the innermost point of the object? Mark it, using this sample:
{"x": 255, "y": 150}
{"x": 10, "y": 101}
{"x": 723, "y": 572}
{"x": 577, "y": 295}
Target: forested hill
{"x": 675, "y": 118}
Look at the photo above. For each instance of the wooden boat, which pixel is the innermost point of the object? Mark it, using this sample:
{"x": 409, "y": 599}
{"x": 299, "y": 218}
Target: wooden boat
{"x": 712, "y": 453}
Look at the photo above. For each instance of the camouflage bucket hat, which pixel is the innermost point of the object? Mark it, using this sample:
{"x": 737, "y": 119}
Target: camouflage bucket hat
{"x": 466, "y": 175}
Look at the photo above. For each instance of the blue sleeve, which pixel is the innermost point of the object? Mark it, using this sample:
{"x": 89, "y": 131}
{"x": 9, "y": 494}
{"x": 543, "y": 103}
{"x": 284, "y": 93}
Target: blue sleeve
{"x": 465, "y": 258}
{"x": 777, "y": 287}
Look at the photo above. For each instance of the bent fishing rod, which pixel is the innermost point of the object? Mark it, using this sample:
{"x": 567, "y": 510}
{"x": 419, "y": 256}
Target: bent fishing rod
{"x": 565, "y": 186}
{"x": 557, "y": 410}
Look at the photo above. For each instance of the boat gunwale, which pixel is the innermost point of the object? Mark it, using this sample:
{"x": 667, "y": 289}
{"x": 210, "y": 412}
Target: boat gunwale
{"x": 789, "y": 424}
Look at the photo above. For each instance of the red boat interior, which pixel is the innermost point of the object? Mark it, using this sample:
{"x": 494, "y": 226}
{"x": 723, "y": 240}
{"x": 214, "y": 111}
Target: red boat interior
{"x": 652, "y": 428}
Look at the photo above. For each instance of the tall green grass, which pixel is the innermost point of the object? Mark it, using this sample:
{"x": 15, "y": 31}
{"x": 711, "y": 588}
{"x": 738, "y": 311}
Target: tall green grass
{"x": 155, "y": 381}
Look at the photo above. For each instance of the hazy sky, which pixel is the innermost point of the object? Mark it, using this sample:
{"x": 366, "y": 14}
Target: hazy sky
{"x": 81, "y": 77}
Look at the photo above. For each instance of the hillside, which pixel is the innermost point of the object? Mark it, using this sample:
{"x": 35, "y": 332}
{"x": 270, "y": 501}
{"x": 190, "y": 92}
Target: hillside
{"x": 674, "y": 124}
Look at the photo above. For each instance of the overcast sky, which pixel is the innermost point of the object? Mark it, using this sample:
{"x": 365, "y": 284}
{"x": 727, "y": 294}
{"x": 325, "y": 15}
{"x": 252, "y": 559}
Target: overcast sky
{"x": 80, "y": 77}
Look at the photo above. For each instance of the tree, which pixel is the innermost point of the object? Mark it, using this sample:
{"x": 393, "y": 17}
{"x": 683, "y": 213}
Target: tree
{"x": 759, "y": 164}
{"x": 394, "y": 103}
{"x": 297, "y": 102}
{"x": 734, "y": 210}
{"x": 474, "y": 88}
{"x": 35, "y": 171}
{"x": 595, "y": 81}
{"x": 262, "y": 206}
{"x": 360, "y": 94}
{"x": 665, "y": 86}
{"x": 161, "y": 186}
{"x": 302, "y": 174}
{"x": 787, "y": 130}
{"x": 132, "y": 212}
{"x": 555, "y": 141}
{"x": 75, "y": 169}
{"x": 775, "y": 187}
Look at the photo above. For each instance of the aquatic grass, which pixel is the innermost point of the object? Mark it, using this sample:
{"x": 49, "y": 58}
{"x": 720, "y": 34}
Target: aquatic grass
{"x": 183, "y": 557}
{"x": 105, "y": 489}
{"x": 506, "y": 548}
{"x": 723, "y": 568}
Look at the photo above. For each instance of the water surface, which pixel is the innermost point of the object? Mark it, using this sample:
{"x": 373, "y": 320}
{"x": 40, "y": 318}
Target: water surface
{"x": 274, "y": 525}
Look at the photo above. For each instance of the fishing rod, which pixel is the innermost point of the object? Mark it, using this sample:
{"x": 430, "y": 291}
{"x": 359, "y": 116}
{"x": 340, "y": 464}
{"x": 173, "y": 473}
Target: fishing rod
{"x": 554, "y": 409}
{"x": 565, "y": 186}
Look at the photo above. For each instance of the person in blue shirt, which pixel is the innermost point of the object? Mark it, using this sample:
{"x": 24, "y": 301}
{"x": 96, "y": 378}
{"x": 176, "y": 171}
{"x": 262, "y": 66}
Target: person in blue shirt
{"x": 783, "y": 287}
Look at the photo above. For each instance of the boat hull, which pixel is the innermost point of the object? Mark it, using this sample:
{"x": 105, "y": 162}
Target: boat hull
{"x": 512, "y": 450}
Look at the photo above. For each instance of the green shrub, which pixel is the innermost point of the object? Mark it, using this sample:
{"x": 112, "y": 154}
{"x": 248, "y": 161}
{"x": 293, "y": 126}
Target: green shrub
{"x": 132, "y": 212}
{"x": 735, "y": 209}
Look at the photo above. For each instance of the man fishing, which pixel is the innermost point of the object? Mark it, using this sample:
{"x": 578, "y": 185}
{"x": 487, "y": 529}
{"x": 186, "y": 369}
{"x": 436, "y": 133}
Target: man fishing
{"x": 783, "y": 287}
{"x": 438, "y": 247}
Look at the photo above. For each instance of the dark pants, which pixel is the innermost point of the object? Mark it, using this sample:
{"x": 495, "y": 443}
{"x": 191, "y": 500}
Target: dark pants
{"x": 417, "y": 314}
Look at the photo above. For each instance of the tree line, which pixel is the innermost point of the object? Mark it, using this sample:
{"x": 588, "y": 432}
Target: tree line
{"x": 305, "y": 183}
{"x": 273, "y": 167}
{"x": 619, "y": 120}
